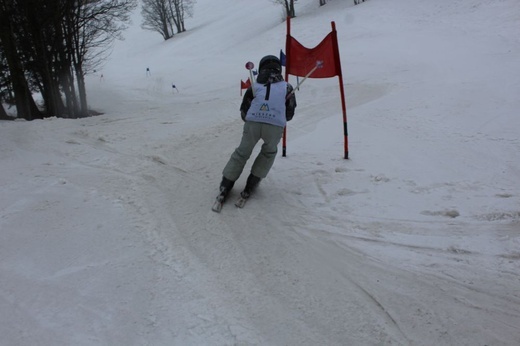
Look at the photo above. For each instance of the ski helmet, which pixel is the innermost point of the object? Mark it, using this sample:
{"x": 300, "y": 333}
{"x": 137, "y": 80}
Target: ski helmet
{"x": 270, "y": 62}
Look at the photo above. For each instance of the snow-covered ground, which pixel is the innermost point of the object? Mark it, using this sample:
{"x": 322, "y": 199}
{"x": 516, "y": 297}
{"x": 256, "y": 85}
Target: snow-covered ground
{"x": 107, "y": 237}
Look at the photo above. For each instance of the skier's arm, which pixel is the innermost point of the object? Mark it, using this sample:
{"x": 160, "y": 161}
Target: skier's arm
{"x": 290, "y": 103}
{"x": 246, "y": 103}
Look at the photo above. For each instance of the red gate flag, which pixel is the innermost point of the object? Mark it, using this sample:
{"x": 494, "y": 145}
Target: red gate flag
{"x": 301, "y": 60}
{"x": 244, "y": 85}
{"x": 321, "y": 61}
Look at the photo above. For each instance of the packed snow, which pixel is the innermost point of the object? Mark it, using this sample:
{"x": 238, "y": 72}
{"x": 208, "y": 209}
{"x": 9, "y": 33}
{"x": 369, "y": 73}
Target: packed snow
{"x": 107, "y": 234}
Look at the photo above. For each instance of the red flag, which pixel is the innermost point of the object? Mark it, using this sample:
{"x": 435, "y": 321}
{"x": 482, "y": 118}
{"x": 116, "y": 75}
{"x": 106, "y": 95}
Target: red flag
{"x": 246, "y": 84}
{"x": 301, "y": 60}
{"x": 321, "y": 61}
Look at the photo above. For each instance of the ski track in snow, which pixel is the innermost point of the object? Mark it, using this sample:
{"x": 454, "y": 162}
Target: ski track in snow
{"x": 287, "y": 258}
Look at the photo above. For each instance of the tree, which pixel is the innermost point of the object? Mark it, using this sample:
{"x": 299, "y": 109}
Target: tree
{"x": 25, "y": 105}
{"x": 5, "y": 92}
{"x": 164, "y": 16}
{"x": 156, "y": 17}
{"x": 3, "y": 114}
{"x": 90, "y": 29}
{"x": 289, "y": 7}
{"x": 181, "y": 9}
{"x": 54, "y": 45}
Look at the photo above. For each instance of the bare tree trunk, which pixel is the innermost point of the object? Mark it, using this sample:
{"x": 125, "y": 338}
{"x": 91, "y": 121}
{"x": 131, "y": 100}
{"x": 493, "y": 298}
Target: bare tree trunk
{"x": 82, "y": 91}
{"x": 25, "y": 106}
{"x": 292, "y": 11}
{"x": 289, "y": 7}
{"x": 3, "y": 114}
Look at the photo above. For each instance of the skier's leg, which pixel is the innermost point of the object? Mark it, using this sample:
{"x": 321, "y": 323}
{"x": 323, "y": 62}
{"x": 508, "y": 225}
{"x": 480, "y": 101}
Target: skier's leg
{"x": 237, "y": 161}
{"x": 225, "y": 186}
{"x": 252, "y": 182}
{"x": 264, "y": 161}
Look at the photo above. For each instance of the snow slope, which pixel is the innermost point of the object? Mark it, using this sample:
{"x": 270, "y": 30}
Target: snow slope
{"x": 106, "y": 233}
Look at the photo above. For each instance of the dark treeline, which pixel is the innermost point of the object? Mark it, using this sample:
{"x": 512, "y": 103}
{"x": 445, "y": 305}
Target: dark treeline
{"x": 47, "y": 48}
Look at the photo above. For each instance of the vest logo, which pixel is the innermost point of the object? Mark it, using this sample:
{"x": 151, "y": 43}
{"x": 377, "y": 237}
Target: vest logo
{"x": 264, "y": 107}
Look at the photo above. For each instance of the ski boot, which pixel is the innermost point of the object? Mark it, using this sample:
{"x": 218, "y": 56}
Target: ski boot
{"x": 225, "y": 186}
{"x": 252, "y": 183}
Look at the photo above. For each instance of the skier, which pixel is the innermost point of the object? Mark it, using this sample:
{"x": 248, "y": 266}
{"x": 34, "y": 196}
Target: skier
{"x": 266, "y": 107}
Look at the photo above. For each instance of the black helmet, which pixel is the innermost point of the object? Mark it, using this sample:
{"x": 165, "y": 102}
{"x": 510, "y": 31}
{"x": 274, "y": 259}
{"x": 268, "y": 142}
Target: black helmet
{"x": 270, "y": 62}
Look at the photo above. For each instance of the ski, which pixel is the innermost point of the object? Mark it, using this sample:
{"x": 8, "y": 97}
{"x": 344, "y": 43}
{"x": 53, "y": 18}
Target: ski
{"x": 217, "y": 206}
{"x": 219, "y": 202}
{"x": 242, "y": 200}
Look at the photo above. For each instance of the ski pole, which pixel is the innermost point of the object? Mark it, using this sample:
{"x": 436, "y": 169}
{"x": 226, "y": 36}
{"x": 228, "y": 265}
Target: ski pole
{"x": 319, "y": 64}
{"x": 250, "y": 66}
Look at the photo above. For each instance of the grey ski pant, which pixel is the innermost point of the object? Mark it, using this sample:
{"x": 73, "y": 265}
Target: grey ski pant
{"x": 252, "y": 133}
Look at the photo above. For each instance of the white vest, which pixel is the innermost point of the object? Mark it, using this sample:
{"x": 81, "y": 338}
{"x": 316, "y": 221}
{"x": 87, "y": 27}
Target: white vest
{"x": 270, "y": 108}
